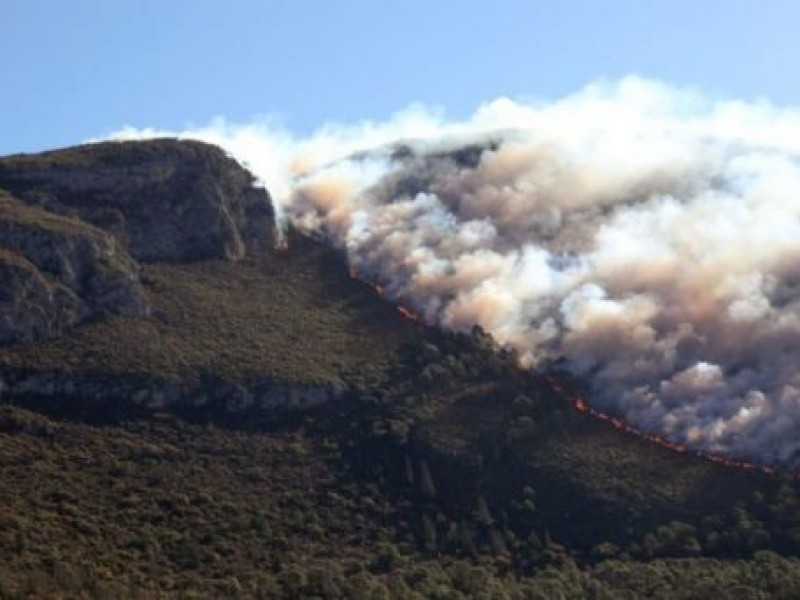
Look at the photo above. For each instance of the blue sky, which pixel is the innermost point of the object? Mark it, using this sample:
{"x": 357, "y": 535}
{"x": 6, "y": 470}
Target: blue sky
{"x": 77, "y": 69}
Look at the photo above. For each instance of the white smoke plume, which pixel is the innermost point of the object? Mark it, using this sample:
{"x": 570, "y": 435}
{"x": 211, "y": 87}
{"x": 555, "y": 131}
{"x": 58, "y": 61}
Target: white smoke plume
{"x": 648, "y": 236}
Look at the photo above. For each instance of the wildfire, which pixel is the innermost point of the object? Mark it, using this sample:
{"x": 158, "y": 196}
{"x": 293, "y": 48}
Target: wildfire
{"x": 407, "y": 314}
{"x": 580, "y": 405}
{"x": 404, "y": 311}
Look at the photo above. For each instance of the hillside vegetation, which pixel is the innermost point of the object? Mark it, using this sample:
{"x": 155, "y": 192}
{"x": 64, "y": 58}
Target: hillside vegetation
{"x": 441, "y": 470}
{"x": 293, "y": 316}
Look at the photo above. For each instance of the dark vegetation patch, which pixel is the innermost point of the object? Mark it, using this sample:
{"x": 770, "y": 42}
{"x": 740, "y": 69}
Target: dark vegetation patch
{"x": 164, "y": 508}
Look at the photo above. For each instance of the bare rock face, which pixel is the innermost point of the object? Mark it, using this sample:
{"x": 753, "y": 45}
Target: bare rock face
{"x": 57, "y": 272}
{"x": 163, "y": 200}
{"x": 30, "y": 307}
{"x": 74, "y": 222}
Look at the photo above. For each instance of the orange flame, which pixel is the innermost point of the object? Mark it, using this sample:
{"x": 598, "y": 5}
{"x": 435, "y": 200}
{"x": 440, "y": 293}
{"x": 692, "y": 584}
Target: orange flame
{"x": 407, "y": 314}
{"x": 404, "y": 311}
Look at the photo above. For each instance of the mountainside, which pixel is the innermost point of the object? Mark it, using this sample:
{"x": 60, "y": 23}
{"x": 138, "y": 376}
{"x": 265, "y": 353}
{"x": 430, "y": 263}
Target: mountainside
{"x": 72, "y": 223}
{"x": 189, "y": 410}
{"x": 59, "y": 271}
{"x": 163, "y": 200}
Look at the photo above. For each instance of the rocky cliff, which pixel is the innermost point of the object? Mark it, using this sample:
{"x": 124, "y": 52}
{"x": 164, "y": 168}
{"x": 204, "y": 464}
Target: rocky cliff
{"x": 74, "y": 223}
{"x": 163, "y": 200}
{"x": 59, "y": 271}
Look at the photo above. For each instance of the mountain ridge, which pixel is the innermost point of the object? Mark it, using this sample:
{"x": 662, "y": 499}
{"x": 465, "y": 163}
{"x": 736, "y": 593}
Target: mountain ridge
{"x": 436, "y": 449}
{"x": 84, "y": 216}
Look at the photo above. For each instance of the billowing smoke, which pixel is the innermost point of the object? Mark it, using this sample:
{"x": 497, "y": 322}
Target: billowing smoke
{"x": 646, "y": 235}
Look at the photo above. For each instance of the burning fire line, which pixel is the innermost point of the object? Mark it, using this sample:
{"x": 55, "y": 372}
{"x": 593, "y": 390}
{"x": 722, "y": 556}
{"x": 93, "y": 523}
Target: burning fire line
{"x": 581, "y": 406}
{"x": 404, "y": 311}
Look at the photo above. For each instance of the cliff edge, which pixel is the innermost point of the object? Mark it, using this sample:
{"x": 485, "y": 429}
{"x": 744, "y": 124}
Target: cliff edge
{"x": 74, "y": 223}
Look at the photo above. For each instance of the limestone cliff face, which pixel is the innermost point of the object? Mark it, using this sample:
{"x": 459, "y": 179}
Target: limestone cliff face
{"x": 74, "y": 222}
{"x": 74, "y": 225}
{"x": 56, "y": 272}
{"x": 30, "y": 307}
{"x": 163, "y": 200}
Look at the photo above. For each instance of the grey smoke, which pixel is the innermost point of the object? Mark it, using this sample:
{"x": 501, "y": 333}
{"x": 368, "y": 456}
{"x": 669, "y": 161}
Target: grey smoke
{"x": 648, "y": 236}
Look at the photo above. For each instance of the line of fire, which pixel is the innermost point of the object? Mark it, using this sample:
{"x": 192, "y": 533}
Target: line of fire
{"x": 579, "y": 403}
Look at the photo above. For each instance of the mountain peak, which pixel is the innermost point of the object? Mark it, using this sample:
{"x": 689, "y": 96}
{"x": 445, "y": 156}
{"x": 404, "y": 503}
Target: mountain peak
{"x": 77, "y": 220}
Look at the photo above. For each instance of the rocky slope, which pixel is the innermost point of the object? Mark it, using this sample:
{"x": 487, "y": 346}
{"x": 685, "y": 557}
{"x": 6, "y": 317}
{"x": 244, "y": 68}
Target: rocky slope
{"x": 163, "y": 200}
{"x": 74, "y": 222}
{"x": 58, "y": 271}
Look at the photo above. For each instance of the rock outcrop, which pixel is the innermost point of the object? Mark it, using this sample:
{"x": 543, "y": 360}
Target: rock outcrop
{"x": 163, "y": 200}
{"x": 57, "y": 272}
{"x": 74, "y": 222}
{"x": 74, "y": 225}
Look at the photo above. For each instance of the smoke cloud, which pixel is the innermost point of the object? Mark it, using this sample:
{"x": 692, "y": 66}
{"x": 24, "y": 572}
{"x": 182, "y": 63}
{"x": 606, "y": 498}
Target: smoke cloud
{"x": 645, "y": 234}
